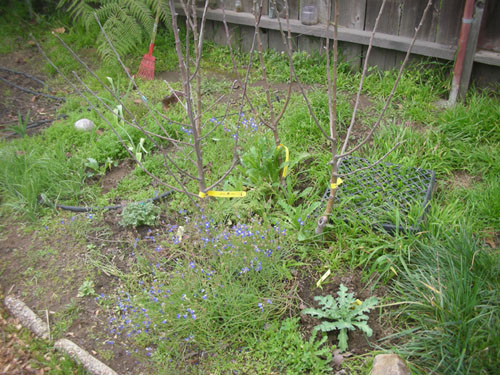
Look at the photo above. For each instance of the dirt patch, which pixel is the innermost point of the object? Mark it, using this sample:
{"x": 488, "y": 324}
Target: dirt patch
{"x": 364, "y": 102}
{"x": 169, "y": 76}
{"x": 13, "y": 244}
{"x": 16, "y": 102}
{"x": 111, "y": 179}
{"x": 358, "y": 342}
{"x": 462, "y": 179}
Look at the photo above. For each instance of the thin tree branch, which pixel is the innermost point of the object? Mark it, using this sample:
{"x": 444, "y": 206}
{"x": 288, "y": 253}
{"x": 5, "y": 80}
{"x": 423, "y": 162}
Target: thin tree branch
{"x": 371, "y": 165}
{"x": 302, "y": 91}
{"x": 388, "y": 101}
{"x": 151, "y": 112}
{"x": 363, "y": 75}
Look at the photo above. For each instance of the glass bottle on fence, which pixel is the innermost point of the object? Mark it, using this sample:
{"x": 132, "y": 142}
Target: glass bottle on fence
{"x": 309, "y": 13}
{"x": 238, "y": 6}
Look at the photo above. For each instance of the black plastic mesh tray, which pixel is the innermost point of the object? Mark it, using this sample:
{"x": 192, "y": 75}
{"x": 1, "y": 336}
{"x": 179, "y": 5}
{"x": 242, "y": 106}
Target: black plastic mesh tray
{"x": 387, "y": 195}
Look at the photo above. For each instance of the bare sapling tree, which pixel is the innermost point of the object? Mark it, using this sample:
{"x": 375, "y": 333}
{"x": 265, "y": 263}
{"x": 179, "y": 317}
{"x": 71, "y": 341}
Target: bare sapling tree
{"x": 190, "y": 98}
{"x": 332, "y": 135}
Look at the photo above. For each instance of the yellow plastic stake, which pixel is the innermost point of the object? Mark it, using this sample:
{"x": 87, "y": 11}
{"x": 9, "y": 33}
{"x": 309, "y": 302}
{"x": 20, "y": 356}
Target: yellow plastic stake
{"x": 336, "y": 184}
{"x": 323, "y": 278}
{"x": 223, "y": 194}
{"x": 287, "y": 158}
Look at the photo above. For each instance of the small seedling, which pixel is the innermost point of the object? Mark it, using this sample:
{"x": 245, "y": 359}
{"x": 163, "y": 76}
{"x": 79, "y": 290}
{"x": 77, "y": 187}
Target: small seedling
{"x": 21, "y": 128}
{"x": 86, "y": 289}
{"x": 141, "y": 213}
{"x": 342, "y": 313}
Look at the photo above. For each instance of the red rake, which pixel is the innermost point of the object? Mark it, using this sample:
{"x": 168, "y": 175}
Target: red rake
{"x": 147, "y": 67}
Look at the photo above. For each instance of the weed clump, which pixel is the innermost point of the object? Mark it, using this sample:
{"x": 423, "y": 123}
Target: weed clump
{"x": 140, "y": 213}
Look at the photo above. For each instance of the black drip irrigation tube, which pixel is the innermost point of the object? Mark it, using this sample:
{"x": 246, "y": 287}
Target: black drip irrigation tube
{"x": 33, "y": 124}
{"x": 43, "y": 200}
{"x": 29, "y": 91}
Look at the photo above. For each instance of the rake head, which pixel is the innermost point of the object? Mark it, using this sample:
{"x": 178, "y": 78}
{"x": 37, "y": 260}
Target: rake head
{"x": 147, "y": 67}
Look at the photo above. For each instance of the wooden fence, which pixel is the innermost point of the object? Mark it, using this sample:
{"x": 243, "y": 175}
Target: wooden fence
{"x": 438, "y": 36}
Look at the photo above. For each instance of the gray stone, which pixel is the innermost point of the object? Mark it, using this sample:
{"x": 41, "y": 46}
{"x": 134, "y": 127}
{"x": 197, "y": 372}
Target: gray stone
{"x": 84, "y": 125}
{"x": 91, "y": 364}
{"x": 389, "y": 364}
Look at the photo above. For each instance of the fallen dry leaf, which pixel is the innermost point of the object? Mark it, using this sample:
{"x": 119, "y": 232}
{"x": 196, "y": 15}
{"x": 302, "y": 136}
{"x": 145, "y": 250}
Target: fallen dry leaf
{"x": 59, "y": 30}
{"x": 491, "y": 242}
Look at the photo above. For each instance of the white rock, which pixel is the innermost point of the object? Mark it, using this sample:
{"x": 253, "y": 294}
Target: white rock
{"x": 389, "y": 364}
{"x": 84, "y": 125}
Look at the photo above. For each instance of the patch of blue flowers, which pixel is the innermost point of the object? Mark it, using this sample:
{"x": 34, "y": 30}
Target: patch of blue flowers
{"x": 202, "y": 289}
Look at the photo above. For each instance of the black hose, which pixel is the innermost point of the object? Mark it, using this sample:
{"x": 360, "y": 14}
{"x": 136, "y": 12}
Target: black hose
{"x": 31, "y": 91}
{"x": 43, "y": 200}
{"x": 33, "y": 125}
{"x": 24, "y": 74}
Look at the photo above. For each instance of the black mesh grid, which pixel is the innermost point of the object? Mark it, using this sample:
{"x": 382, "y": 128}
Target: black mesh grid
{"x": 378, "y": 193}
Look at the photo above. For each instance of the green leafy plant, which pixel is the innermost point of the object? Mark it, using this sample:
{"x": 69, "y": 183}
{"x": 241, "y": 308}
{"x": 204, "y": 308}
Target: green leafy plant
{"x": 21, "y": 128}
{"x": 260, "y": 164}
{"x": 110, "y": 163}
{"x": 294, "y": 216}
{"x": 140, "y": 213}
{"x": 342, "y": 313}
{"x": 93, "y": 165}
{"x": 285, "y": 348}
{"x": 86, "y": 289}
{"x": 128, "y": 23}
{"x": 137, "y": 149}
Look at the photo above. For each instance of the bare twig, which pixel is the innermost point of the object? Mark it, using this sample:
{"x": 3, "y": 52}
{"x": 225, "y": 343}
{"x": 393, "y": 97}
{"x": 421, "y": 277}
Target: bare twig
{"x": 371, "y": 165}
{"x": 289, "y": 52}
{"x": 332, "y": 114}
{"x": 389, "y": 98}
{"x": 151, "y": 112}
{"x": 361, "y": 81}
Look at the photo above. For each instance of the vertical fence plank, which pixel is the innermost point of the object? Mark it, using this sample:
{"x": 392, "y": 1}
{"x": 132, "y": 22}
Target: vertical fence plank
{"x": 389, "y": 24}
{"x": 274, "y": 37}
{"x": 352, "y": 15}
{"x": 450, "y": 16}
{"x": 411, "y": 15}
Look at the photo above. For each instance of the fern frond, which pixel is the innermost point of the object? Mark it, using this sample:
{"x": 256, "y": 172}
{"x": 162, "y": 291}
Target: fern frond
{"x": 123, "y": 32}
{"x": 141, "y": 11}
{"x": 128, "y": 23}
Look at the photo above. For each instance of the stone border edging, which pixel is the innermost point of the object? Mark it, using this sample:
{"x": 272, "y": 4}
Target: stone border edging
{"x": 27, "y": 317}
{"x": 31, "y": 321}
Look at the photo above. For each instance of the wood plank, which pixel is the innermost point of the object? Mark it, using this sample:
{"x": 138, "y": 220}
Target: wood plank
{"x": 389, "y": 20}
{"x": 293, "y": 9}
{"x": 389, "y": 23}
{"x": 352, "y": 16}
{"x": 412, "y": 12}
{"x": 275, "y": 41}
{"x": 382, "y": 40}
{"x": 310, "y": 44}
{"x": 322, "y": 6}
{"x": 449, "y": 21}
{"x": 487, "y": 57}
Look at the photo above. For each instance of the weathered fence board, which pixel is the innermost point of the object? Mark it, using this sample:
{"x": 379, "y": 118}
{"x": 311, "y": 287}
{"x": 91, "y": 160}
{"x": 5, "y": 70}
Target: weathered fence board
{"x": 388, "y": 24}
{"x": 450, "y": 16}
{"x": 437, "y": 38}
{"x": 352, "y": 16}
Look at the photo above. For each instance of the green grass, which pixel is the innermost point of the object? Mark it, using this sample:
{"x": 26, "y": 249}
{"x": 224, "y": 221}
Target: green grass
{"x": 450, "y": 290}
{"x": 29, "y": 170}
